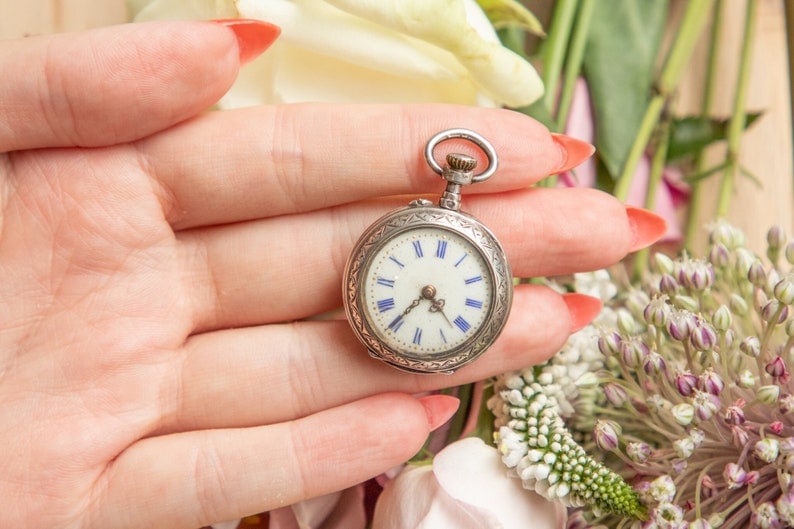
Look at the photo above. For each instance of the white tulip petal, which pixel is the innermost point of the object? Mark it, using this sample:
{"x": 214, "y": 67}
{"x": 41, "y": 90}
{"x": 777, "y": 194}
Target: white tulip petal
{"x": 471, "y": 472}
{"x": 328, "y": 31}
{"x": 499, "y": 71}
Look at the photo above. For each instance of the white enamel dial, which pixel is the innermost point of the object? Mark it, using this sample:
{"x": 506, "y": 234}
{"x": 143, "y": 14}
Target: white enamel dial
{"x": 426, "y": 291}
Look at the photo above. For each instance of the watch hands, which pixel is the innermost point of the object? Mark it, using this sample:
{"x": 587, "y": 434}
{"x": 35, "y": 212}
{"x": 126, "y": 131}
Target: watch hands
{"x": 437, "y": 305}
{"x": 413, "y": 305}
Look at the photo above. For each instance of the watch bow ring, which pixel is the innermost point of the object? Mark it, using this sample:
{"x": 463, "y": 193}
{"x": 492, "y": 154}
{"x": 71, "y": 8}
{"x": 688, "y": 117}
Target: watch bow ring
{"x": 427, "y": 288}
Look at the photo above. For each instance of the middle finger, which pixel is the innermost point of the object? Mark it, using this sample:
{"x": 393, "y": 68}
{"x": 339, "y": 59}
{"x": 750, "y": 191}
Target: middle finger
{"x": 235, "y": 271}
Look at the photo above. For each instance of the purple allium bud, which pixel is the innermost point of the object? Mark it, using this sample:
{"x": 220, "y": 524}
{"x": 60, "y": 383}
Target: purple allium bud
{"x": 710, "y": 382}
{"x": 787, "y": 446}
{"x": 703, "y": 337}
{"x": 609, "y": 343}
{"x": 722, "y": 232}
{"x": 707, "y": 486}
{"x": 775, "y": 237}
{"x": 719, "y": 256}
{"x": 607, "y": 434}
{"x": 776, "y": 368}
{"x": 626, "y": 323}
{"x": 734, "y": 476}
{"x": 784, "y": 290}
{"x": 654, "y": 363}
{"x": 615, "y": 394}
{"x": 700, "y": 523}
{"x": 706, "y": 405}
{"x": 657, "y": 312}
{"x": 750, "y": 346}
{"x": 696, "y": 274}
{"x": 773, "y": 310}
{"x": 636, "y": 301}
{"x": 686, "y": 383}
{"x": 785, "y": 505}
{"x": 662, "y": 489}
{"x": 680, "y": 324}
{"x": 767, "y": 449}
{"x": 776, "y": 427}
{"x": 638, "y": 452}
{"x": 668, "y": 285}
{"x": 740, "y": 437}
{"x": 663, "y": 263}
{"x": 734, "y": 415}
{"x": 757, "y": 274}
{"x": 786, "y": 403}
{"x": 766, "y": 516}
{"x": 633, "y": 352}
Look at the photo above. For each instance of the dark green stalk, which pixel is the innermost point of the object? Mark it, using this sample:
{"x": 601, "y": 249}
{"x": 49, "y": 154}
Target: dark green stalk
{"x": 573, "y": 63}
{"x": 554, "y": 48}
{"x": 739, "y": 115}
{"x": 695, "y": 201}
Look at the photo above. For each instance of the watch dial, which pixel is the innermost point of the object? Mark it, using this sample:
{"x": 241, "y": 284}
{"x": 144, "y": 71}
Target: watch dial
{"x": 427, "y": 290}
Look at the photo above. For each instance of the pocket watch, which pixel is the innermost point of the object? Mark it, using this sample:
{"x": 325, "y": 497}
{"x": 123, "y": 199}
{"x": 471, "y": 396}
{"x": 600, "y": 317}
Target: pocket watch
{"x": 427, "y": 288}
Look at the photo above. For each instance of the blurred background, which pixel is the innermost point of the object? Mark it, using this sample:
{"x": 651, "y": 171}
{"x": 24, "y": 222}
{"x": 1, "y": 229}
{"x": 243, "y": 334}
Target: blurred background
{"x": 766, "y": 148}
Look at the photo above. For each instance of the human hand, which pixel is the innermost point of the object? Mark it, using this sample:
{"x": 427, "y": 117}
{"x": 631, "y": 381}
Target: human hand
{"x": 158, "y": 265}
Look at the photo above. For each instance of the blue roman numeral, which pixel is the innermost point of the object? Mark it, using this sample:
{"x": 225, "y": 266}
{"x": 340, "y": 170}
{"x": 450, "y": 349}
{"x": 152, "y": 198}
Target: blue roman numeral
{"x": 441, "y": 249}
{"x": 386, "y": 304}
{"x": 462, "y": 324}
{"x": 465, "y": 255}
{"x": 396, "y": 261}
{"x": 418, "y": 249}
{"x": 474, "y": 279}
{"x": 385, "y": 282}
{"x": 443, "y": 338}
{"x": 396, "y": 323}
{"x": 473, "y": 303}
{"x": 418, "y": 336}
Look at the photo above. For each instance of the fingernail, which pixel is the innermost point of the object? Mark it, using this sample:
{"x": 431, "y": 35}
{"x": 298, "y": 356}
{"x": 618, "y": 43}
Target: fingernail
{"x": 439, "y": 409}
{"x": 573, "y": 151}
{"x": 253, "y": 36}
{"x": 583, "y": 309}
{"x": 646, "y": 227}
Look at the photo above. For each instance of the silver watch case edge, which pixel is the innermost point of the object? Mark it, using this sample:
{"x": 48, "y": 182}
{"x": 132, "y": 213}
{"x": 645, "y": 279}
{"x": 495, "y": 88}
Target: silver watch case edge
{"x": 423, "y": 214}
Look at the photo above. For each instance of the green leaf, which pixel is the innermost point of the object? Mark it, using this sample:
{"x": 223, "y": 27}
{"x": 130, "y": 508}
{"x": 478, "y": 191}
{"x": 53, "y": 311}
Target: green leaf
{"x": 511, "y": 13}
{"x": 690, "y": 134}
{"x": 621, "y": 54}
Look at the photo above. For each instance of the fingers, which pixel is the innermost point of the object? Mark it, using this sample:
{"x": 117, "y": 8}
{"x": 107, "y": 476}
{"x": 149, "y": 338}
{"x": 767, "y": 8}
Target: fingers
{"x": 240, "y": 165}
{"x": 193, "y": 479}
{"x": 235, "y": 269}
{"x": 264, "y": 375}
{"x": 111, "y": 85}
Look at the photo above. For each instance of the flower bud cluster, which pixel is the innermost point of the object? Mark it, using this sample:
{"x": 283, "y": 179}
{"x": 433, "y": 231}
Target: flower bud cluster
{"x": 693, "y": 386}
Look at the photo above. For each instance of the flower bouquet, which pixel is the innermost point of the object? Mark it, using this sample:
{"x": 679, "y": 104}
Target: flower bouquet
{"x": 673, "y": 410}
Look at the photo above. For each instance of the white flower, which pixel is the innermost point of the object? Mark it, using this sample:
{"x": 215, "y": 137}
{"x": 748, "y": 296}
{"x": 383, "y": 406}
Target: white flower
{"x": 466, "y": 488}
{"x": 442, "y": 51}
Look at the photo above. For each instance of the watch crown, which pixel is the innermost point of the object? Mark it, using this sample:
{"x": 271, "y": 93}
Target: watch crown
{"x": 461, "y": 162}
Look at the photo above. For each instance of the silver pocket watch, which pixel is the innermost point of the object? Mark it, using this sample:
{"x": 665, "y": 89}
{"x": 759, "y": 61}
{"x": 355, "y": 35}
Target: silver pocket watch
{"x": 427, "y": 288}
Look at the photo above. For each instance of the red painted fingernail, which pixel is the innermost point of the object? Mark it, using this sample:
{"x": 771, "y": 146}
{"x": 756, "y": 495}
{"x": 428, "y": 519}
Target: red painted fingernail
{"x": 646, "y": 227}
{"x": 439, "y": 409}
{"x": 573, "y": 151}
{"x": 253, "y": 36}
{"x": 583, "y": 309}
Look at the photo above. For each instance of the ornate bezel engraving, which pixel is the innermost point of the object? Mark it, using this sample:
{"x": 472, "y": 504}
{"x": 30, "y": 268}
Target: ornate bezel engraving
{"x": 396, "y": 223}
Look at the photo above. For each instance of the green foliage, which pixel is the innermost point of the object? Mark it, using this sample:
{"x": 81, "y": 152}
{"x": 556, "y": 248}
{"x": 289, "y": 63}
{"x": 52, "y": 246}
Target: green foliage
{"x": 620, "y": 60}
{"x": 689, "y": 135}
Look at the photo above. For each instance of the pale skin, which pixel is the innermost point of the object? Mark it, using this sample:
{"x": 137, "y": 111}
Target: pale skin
{"x": 157, "y": 263}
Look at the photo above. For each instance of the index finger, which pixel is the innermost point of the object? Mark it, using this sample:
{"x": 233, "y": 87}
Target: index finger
{"x": 244, "y": 164}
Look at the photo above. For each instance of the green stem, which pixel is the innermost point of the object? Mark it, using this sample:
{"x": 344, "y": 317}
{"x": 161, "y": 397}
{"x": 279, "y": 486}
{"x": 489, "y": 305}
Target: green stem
{"x": 739, "y": 115}
{"x": 654, "y": 179}
{"x": 573, "y": 64}
{"x": 678, "y": 57}
{"x": 695, "y": 200}
{"x": 554, "y": 49}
